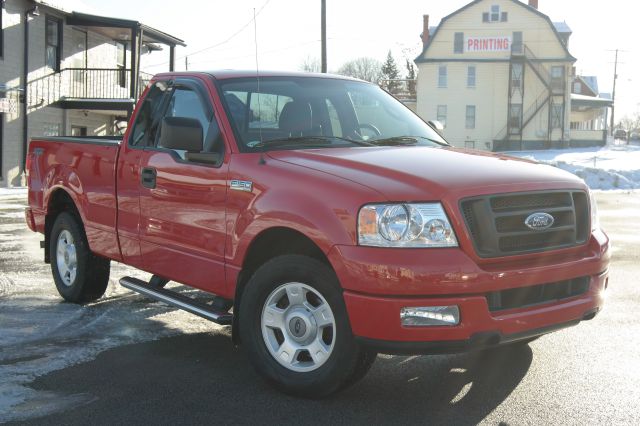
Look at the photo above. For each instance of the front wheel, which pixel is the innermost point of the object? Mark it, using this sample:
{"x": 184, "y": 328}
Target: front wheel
{"x": 80, "y": 276}
{"x": 294, "y": 324}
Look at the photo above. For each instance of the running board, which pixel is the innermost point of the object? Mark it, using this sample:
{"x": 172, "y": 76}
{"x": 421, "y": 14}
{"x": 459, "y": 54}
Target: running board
{"x": 179, "y": 301}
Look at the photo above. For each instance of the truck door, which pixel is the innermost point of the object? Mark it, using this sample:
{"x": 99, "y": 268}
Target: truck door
{"x": 140, "y": 134}
{"x": 183, "y": 194}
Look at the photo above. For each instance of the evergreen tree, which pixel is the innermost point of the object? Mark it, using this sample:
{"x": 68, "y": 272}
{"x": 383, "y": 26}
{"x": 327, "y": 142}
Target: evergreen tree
{"x": 411, "y": 77}
{"x": 390, "y": 72}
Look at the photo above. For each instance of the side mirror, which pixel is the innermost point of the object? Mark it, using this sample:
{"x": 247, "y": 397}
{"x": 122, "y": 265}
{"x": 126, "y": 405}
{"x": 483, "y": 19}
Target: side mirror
{"x": 181, "y": 133}
{"x": 437, "y": 126}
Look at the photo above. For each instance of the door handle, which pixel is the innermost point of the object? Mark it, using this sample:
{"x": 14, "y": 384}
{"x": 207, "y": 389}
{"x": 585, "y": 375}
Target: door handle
{"x": 148, "y": 177}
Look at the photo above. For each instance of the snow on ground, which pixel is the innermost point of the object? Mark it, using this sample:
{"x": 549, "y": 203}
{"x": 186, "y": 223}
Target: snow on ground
{"x": 606, "y": 168}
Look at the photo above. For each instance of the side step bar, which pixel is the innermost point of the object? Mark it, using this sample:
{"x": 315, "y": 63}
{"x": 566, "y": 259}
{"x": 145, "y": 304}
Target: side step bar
{"x": 179, "y": 301}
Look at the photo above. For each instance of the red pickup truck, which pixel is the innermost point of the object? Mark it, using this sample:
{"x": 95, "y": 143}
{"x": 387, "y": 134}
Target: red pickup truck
{"x": 323, "y": 219}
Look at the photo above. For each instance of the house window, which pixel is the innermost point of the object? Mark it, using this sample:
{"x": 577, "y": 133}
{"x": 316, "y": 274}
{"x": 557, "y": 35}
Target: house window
{"x": 51, "y": 129}
{"x": 470, "y": 144}
{"x": 78, "y": 131}
{"x": 458, "y": 43}
{"x": 442, "y": 115}
{"x": 557, "y": 112}
{"x": 471, "y": 76}
{"x": 517, "y": 45}
{"x": 121, "y": 63}
{"x": 495, "y": 13}
{"x": 503, "y": 17}
{"x": 442, "y": 76}
{"x": 470, "y": 121}
{"x": 485, "y": 17}
{"x": 577, "y": 87}
{"x": 53, "y": 38}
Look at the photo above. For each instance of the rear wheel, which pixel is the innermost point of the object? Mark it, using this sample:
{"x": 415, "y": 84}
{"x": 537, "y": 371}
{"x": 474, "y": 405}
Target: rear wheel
{"x": 294, "y": 324}
{"x": 80, "y": 276}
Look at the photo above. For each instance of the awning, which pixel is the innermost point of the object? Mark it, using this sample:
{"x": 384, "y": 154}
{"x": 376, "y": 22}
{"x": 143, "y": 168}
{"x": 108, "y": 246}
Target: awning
{"x": 586, "y": 102}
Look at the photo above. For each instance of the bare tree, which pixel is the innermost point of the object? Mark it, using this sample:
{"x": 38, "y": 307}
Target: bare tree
{"x": 364, "y": 68}
{"x": 310, "y": 64}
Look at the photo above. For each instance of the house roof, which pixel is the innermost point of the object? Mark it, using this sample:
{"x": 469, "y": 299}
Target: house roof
{"x": 420, "y": 58}
{"x": 149, "y": 34}
{"x": 562, "y": 27}
{"x": 592, "y": 82}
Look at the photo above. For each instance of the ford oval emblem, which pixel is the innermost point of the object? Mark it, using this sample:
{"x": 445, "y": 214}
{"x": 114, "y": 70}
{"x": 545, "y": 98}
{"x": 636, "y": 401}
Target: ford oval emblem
{"x": 539, "y": 221}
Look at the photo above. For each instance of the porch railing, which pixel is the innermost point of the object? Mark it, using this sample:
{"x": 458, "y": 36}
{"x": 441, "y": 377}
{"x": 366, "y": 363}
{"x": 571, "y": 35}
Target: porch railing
{"x": 84, "y": 83}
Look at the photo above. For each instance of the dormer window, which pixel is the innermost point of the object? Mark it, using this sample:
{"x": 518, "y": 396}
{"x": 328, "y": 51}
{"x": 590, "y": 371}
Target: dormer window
{"x": 494, "y": 15}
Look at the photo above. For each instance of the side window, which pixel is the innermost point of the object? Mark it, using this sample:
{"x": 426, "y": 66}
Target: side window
{"x": 147, "y": 119}
{"x": 187, "y": 103}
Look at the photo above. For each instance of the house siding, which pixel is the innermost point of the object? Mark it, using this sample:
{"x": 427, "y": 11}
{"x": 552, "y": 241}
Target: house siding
{"x": 491, "y": 92}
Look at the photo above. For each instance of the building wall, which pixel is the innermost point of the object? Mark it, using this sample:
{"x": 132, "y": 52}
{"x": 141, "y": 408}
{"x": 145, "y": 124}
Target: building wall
{"x": 491, "y": 92}
{"x": 44, "y": 118}
{"x": 11, "y": 70}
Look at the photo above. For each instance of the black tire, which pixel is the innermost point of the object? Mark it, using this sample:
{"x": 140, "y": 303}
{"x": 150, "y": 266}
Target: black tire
{"x": 91, "y": 271}
{"x": 346, "y": 363}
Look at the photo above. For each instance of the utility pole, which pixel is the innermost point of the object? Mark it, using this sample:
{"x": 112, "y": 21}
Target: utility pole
{"x": 186, "y": 63}
{"x": 613, "y": 94}
{"x": 323, "y": 34}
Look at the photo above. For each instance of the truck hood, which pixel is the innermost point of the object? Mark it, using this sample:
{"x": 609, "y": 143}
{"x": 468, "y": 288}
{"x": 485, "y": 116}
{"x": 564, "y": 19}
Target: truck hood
{"x": 422, "y": 173}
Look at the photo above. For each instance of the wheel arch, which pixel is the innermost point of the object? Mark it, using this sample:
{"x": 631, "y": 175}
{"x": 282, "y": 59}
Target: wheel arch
{"x": 266, "y": 245}
{"x": 59, "y": 201}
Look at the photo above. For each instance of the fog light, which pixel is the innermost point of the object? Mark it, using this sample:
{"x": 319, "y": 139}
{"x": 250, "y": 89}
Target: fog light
{"x": 421, "y": 316}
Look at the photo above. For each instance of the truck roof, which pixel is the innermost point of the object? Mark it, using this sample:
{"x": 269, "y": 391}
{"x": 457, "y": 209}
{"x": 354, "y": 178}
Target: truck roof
{"x": 229, "y": 73}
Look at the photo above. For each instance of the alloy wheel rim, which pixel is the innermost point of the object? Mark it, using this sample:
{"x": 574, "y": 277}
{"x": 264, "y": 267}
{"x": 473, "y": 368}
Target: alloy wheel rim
{"x": 298, "y": 327}
{"x": 66, "y": 258}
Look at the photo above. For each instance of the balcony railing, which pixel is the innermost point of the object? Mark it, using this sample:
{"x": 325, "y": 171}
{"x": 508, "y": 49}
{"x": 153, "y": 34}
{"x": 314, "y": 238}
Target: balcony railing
{"x": 84, "y": 83}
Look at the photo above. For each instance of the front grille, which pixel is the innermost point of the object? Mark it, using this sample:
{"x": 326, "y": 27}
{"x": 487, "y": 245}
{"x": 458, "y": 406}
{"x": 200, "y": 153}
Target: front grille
{"x": 496, "y": 223}
{"x": 515, "y": 298}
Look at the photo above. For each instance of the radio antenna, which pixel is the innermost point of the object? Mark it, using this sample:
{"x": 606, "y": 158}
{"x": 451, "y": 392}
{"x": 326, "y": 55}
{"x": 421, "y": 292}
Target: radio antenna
{"x": 255, "y": 41}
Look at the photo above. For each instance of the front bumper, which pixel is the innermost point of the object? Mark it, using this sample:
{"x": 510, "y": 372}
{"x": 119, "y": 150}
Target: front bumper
{"x": 378, "y": 283}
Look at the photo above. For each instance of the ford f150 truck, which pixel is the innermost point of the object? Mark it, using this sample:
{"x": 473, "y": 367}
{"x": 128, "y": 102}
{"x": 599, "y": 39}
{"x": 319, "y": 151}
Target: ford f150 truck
{"x": 324, "y": 220}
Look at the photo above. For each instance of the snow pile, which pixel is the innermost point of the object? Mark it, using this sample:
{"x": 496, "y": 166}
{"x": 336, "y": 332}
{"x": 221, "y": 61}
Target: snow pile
{"x": 606, "y": 168}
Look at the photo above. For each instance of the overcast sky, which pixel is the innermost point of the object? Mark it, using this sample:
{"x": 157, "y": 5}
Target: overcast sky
{"x": 289, "y": 32}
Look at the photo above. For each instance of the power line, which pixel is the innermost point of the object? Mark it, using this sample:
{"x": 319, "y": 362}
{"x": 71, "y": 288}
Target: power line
{"x": 225, "y": 41}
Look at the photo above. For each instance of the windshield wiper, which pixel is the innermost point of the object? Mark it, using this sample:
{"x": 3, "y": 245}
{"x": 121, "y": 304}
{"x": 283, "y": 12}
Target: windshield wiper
{"x": 307, "y": 141}
{"x": 395, "y": 141}
{"x": 402, "y": 141}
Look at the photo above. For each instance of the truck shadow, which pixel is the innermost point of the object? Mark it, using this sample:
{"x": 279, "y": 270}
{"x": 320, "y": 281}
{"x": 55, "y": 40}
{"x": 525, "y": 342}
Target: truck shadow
{"x": 201, "y": 377}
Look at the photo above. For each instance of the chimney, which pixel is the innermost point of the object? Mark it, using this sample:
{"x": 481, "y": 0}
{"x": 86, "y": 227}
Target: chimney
{"x": 533, "y": 3}
{"x": 425, "y": 29}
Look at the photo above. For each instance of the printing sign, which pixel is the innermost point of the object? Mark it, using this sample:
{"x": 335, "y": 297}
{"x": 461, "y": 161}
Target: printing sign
{"x": 487, "y": 44}
{"x": 8, "y": 106}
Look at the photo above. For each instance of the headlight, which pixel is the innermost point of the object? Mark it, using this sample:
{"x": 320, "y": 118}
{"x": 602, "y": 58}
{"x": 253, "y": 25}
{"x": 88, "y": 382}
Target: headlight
{"x": 405, "y": 225}
{"x": 595, "y": 221}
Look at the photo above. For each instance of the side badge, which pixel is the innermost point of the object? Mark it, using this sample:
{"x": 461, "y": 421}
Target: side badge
{"x": 241, "y": 185}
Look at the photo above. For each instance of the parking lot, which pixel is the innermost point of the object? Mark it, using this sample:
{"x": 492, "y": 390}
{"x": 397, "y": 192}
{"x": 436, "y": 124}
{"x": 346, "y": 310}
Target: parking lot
{"x": 125, "y": 359}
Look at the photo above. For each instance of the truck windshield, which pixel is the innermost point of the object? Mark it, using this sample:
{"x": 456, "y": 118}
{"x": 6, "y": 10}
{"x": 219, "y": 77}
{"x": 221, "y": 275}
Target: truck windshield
{"x": 315, "y": 112}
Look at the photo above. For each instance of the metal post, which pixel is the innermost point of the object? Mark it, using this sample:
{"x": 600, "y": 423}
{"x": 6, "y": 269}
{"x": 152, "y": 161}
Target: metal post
{"x": 323, "y": 34}
{"x": 25, "y": 93}
{"x": 172, "y": 58}
{"x": 134, "y": 54}
{"x": 613, "y": 94}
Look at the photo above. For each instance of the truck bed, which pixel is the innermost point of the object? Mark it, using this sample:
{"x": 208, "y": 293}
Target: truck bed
{"x": 82, "y": 168}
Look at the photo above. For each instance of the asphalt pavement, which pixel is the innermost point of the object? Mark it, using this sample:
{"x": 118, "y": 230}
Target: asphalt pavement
{"x": 127, "y": 360}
